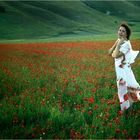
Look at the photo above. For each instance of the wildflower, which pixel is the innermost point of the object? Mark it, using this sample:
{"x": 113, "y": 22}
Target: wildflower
{"x": 93, "y": 126}
{"x": 125, "y": 131}
{"x": 103, "y": 124}
{"x": 112, "y": 102}
{"x": 120, "y": 112}
{"x": 117, "y": 130}
{"x": 42, "y": 131}
{"x": 74, "y": 81}
{"x": 108, "y": 115}
{"x": 93, "y": 90}
{"x": 90, "y": 112}
{"x": 33, "y": 135}
{"x": 139, "y": 134}
{"x": 125, "y": 97}
{"x": 78, "y": 107}
{"x": 72, "y": 133}
{"x": 124, "y": 108}
{"x": 77, "y": 134}
{"x": 34, "y": 129}
{"x": 110, "y": 125}
{"x": 91, "y": 100}
{"x": 116, "y": 121}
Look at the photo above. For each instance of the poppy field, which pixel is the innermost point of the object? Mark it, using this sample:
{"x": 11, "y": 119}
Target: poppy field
{"x": 63, "y": 90}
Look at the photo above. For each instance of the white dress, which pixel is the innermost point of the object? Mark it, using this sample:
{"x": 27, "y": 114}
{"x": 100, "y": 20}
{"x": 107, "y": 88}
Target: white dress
{"x": 128, "y": 87}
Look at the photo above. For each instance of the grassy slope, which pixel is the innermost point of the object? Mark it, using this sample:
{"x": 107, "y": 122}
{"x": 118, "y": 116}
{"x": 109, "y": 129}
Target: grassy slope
{"x": 127, "y": 10}
{"x": 66, "y": 19}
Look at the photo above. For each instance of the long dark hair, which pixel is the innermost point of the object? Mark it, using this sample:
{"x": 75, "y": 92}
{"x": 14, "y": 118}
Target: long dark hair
{"x": 128, "y": 30}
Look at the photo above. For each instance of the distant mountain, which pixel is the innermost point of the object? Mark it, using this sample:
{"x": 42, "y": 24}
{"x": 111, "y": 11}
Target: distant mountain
{"x": 42, "y": 19}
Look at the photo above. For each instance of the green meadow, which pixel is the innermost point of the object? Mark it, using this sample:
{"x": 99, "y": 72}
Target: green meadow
{"x": 52, "y": 20}
{"x": 63, "y": 91}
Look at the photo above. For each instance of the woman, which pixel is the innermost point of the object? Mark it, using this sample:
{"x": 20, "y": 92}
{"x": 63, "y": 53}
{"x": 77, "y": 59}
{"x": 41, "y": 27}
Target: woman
{"x": 121, "y": 51}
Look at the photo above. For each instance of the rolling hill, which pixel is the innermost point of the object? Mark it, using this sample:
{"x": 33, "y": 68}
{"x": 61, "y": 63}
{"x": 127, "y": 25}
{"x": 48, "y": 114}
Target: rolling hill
{"x": 44, "y": 19}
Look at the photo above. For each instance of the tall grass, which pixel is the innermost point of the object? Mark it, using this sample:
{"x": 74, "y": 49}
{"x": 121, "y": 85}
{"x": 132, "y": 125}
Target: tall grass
{"x": 63, "y": 90}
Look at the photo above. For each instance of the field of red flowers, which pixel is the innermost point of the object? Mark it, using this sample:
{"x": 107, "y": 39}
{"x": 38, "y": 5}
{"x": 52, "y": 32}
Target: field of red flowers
{"x": 64, "y": 90}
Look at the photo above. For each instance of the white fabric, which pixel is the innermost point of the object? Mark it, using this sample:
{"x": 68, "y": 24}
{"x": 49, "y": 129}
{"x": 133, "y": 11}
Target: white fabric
{"x": 130, "y": 54}
{"x": 125, "y": 47}
{"x": 133, "y": 56}
{"x": 124, "y": 71}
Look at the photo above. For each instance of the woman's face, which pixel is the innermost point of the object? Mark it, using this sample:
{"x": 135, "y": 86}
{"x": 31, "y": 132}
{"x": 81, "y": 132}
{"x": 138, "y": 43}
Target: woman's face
{"x": 122, "y": 32}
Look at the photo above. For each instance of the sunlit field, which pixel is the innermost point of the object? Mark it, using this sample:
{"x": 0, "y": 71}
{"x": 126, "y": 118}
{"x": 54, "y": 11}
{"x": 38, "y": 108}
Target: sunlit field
{"x": 63, "y": 91}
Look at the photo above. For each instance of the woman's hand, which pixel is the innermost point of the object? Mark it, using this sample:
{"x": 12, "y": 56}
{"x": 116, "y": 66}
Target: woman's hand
{"x": 116, "y": 53}
{"x": 120, "y": 41}
{"x": 110, "y": 51}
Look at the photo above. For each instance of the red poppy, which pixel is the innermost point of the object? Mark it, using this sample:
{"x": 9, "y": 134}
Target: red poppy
{"x": 91, "y": 100}
{"x": 110, "y": 125}
{"x": 41, "y": 131}
{"x": 125, "y": 97}
{"x": 124, "y": 108}
{"x": 78, "y": 107}
{"x": 120, "y": 113}
{"x": 90, "y": 112}
{"x": 117, "y": 130}
{"x": 93, "y": 126}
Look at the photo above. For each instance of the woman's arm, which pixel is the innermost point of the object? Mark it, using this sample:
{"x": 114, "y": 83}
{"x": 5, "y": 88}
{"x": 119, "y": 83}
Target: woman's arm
{"x": 110, "y": 51}
{"x": 116, "y": 53}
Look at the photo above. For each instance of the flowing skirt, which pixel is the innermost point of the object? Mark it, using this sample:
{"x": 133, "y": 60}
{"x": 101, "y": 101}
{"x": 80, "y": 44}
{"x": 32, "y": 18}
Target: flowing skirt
{"x": 128, "y": 87}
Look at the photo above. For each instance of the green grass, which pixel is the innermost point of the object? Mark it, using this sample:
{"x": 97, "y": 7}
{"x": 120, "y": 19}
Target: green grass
{"x": 70, "y": 38}
{"x": 62, "y": 92}
{"x": 126, "y": 10}
{"x": 46, "y": 19}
